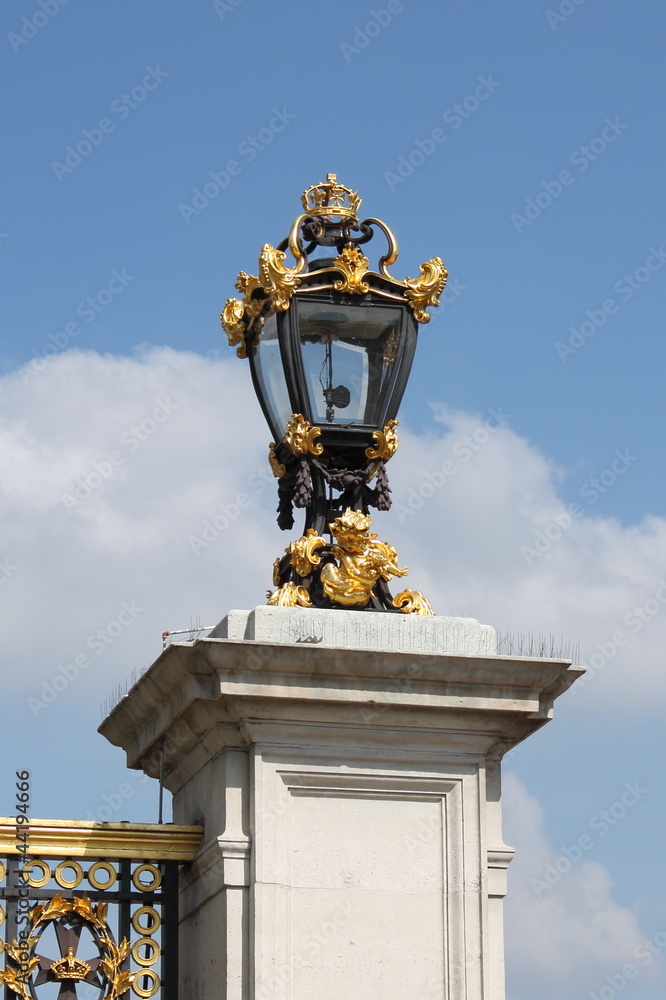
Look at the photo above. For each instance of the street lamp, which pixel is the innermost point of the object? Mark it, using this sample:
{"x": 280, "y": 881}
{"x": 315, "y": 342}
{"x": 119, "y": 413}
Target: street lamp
{"x": 330, "y": 345}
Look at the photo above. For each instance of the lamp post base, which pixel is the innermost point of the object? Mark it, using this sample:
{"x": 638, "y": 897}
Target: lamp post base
{"x": 351, "y": 572}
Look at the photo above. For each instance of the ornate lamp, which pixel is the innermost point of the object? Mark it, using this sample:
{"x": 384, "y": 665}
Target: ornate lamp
{"x": 330, "y": 345}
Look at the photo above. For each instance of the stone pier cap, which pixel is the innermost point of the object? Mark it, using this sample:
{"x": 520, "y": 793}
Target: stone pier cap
{"x": 323, "y": 672}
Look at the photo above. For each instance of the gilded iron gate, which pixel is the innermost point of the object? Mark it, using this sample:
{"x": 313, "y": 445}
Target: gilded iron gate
{"x": 90, "y": 911}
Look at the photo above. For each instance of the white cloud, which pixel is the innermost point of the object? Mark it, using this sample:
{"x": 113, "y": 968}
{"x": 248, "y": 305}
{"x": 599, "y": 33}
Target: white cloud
{"x": 197, "y": 467}
{"x": 495, "y": 541}
{"x": 565, "y": 935}
{"x": 109, "y": 466}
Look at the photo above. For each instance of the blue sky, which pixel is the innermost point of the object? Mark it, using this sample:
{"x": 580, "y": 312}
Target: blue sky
{"x": 530, "y": 138}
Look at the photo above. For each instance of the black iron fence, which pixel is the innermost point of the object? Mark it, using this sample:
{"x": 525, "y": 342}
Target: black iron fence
{"x": 79, "y": 925}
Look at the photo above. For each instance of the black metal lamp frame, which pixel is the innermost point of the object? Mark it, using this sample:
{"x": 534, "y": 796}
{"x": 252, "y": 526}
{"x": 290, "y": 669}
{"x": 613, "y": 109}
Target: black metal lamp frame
{"x": 332, "y": 467}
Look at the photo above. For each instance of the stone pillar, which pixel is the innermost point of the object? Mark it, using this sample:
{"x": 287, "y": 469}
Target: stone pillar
{"x": 346, "y": 769}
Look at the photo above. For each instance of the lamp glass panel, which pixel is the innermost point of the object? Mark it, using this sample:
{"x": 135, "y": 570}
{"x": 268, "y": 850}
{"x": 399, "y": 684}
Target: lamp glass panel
{"x": 350, "y": 358}
{"x": 269, "y": 371}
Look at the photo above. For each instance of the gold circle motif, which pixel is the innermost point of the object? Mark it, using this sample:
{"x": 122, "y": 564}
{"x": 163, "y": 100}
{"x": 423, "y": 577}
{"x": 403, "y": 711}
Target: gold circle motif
{"x": 153, "y": 955}
{"x": 141, "y": 991}
{"x": 2, "y": 917}
{"x": 3, "y": 872}
{"x": 2, "y": 946}
{"x": 100, "y": 866}
{"x": 69, "y": 883}
{"x": 36, "y": 882}
{"x": 146, "y": 886}
{"x": 149, "y": 928}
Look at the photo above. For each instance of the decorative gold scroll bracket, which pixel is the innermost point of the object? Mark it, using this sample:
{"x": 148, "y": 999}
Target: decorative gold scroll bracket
{"x": 354, "y": 267}
{"x": 279, "y": 282}
{"x": 300, "y": 436}
{"x": 386, "y": 443}
{"x": 425, "y": 290}
{"x": 290, "y": 595}
{"x": 277, "y": 468}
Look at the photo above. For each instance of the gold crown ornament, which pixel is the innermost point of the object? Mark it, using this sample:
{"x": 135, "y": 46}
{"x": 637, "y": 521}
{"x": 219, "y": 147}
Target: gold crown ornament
{"x": 70, "y": 967}
{"x": 331, "y": 200}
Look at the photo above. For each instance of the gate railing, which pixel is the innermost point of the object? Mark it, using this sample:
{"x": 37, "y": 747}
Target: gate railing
{"x": 89, "y": 911}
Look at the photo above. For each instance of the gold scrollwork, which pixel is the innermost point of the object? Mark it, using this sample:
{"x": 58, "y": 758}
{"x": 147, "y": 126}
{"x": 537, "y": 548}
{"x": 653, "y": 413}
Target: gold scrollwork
{"x": 425, "y": 290}
{"x": 102, "y": 866}
{"x": 290, "y": 595}
{"x": 238, "y": 313}
{"x": 362, "y": 560}
{"x": 155, "y": 879}
{"x": 277, "y": 468}
{"x": 151, "y": 926}
{"x": 246, "y": 284}
{"x": 146, "y": 991}
{"x": 412, "y": 602}
{"x": 354, "y": 266}
{"x": 301, "y": 436}
{"x": 233, "y": 322}
{"x": 61, "y": 879}
{"x": 278, "y": 281}
{"x": 303, "y": 552}
{"x": 386, "y": 443}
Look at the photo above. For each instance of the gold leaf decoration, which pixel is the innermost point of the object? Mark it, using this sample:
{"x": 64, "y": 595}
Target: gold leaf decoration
{"x": 425, "y": 290}
{"x": 112, "y": 954}
{"x": 233, "y": 323}
{"x": 412, "y": 602}
{"x": 17, "y": 981}
{"x": 354, "y": 266}
{"x": 277, "y": 468}
{"x": 278, "y": 281}
{"x": 246, "y": 283}
{"x": 290, "y": 595}
{"x": 303, "y": 552}
{"x": 386, "y": 443}
{"x": 301, "y": 436}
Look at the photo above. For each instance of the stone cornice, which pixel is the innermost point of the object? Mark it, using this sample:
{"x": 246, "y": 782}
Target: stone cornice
{"x": 206, "y": 690}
